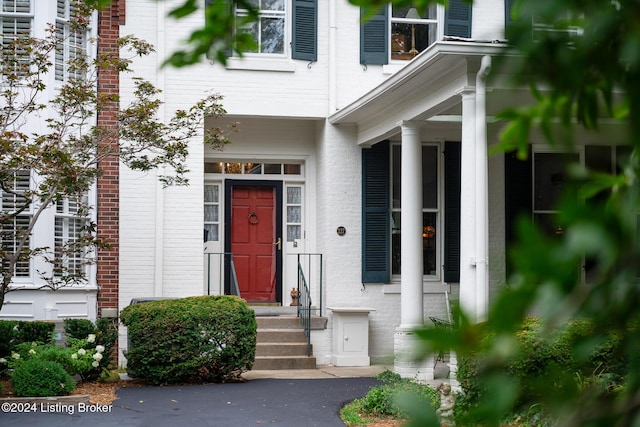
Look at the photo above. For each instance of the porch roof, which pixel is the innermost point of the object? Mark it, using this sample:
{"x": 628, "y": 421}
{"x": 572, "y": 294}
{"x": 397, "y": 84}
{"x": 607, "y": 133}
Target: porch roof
{"x": 428, "y": 86}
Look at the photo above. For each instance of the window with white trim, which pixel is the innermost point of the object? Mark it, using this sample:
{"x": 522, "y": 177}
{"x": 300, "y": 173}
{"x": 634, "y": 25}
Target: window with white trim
{"x": 16, "y": 19}
{"x": 71, "y": 222}
{"x": 411, "y": 32}
{"x": 269, "y": 29}
{"x": 16, "y": 216}
{"x": 211, "y": 212}
{"x": 72, "y": 47}
{"x": 294, "y": 212}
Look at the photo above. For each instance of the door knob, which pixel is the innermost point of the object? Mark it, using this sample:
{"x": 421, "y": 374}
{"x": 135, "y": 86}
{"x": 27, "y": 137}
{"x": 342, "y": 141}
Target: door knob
{"x": 279, "y": 243}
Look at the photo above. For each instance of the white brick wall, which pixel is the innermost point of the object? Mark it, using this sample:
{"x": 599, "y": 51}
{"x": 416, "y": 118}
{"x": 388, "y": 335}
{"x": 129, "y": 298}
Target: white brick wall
{"x": 282, "y": 116}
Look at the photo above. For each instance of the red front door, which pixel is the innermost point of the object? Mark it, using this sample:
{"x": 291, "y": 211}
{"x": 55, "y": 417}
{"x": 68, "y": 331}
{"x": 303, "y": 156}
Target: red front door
{"x": 253, "y": 241}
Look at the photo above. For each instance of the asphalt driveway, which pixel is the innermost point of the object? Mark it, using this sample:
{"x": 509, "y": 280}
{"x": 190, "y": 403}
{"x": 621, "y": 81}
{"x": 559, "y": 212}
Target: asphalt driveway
{"x": 274, "y": 402}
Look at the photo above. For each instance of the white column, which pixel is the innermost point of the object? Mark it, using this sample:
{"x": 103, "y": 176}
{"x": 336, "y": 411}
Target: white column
{"x": 411, "y": 288}
{"x": 482, "y": 194}
{"x": 468, "y": 204}
{"x": 411, "y": 300}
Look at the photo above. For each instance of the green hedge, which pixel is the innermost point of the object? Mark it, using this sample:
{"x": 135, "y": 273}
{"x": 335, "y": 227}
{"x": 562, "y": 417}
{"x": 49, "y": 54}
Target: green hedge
{"x": 14, "y": 332}
{"x": 195, "y": 339}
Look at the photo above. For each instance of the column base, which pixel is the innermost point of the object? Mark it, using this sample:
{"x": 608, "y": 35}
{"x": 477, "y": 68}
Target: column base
{"x": 406, "y": 364}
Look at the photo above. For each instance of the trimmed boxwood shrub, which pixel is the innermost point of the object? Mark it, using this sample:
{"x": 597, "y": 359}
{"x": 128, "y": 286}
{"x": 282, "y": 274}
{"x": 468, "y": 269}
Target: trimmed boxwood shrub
{"x": 195, "y": 339}
{"x": 40, "y": 378}
{"x": 35, "y": 331}
{"x": 14, "y": 332}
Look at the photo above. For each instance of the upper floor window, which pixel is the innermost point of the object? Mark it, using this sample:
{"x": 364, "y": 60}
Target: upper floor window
{"x": 15, "y": 21}
{"x": 402, "y": 33}
{"x": 411, "y": 33}
{"x": 268, "y": 30}
{"x": 280, "y": 24}
{"x": 71, "y": 50}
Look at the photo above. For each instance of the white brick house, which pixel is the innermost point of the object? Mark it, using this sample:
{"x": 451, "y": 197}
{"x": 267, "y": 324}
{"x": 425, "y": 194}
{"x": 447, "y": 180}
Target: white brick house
{"x": 333, "y": 114}
{"x": 322, "y": 136}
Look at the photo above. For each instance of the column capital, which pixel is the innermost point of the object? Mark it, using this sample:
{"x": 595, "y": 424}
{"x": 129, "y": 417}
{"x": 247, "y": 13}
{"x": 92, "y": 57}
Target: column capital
{"x": 409, "y": 124}
{"x": 467, "y": 92}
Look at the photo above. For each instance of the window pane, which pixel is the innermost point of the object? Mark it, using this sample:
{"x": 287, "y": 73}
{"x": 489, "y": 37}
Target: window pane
{"x": 211, "y": 194}
{"x": 233, "y": 168}
{"x": 291, "y": 169}
{"x": 395, "y": 243}
{"x": 272, "y": 35}
{"x": 294, "y": 195}
{"x": 549, "y": 178}
{"x": 293, "y": 233}
{"x": 548, "y": 222}
{"x": 273, "y": 4}
{"x": 396, "y": 188}
{"x": 213, "y": 168}
{"x": 272, "y": 168}
{"x": 252, "y": 29}
{"x": 253, "y": 168}
{"x": 211, "y": 213}
{"x": 429, "y": 243}
{"x": 430, "y": 177}
{"x": 211, "y": 232}
{"x": 404, "y": 12}
{"x": 294, "y": 214}
{"x": 598, "y": 158}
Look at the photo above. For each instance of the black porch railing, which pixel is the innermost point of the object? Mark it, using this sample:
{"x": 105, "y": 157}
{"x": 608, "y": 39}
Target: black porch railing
{"x": 305, "y": 306}
{"x": 224, "y": 261}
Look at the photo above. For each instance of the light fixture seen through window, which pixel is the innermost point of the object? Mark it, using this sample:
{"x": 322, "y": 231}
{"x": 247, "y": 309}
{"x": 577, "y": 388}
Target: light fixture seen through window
{"x": 413, "y": 14}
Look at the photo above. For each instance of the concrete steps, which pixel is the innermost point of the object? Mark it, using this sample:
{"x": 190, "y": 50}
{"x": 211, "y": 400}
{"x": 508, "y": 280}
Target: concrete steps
{"x": 281, "y": 344}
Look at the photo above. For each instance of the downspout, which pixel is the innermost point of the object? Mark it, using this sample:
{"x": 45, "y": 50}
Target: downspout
{"x": 482, "y": 193}
{"x": 333, "y": 103}
{"x": 158, "y": 288}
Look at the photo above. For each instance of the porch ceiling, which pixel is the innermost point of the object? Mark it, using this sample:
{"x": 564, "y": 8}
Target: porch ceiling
{"x": 427, "y": 87}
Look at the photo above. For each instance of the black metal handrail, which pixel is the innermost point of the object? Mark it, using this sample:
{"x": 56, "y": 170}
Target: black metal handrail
{"x": 306, "y": 263}
{"x": 304, "y": 306}
{"x": 222, "y": 257}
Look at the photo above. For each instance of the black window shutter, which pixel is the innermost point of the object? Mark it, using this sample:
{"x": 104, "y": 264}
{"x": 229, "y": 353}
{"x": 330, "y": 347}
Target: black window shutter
{"x": 508, "y": 4}
{"x": 375, "y": 214}
{"x": 374, "y": 38}
{"x": 517, "y": 197}
{"x": 304, "y": 44}
{"x": 228, "y": 4}
{"x": 452, "y": 211}
{"x": 457, "y": 19}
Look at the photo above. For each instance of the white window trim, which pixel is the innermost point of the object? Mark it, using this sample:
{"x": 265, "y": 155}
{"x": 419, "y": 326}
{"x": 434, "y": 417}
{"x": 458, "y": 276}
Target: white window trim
{"x": 439, "y": 21}
{"x": 286, "y": 54}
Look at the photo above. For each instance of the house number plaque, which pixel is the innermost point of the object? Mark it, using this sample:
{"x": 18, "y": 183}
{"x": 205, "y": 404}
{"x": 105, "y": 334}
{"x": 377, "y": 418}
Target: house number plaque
{"x": 341, "y": 231}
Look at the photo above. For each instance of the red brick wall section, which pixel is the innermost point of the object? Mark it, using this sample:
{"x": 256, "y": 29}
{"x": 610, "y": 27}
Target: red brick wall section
{"x": 108, "y": 209}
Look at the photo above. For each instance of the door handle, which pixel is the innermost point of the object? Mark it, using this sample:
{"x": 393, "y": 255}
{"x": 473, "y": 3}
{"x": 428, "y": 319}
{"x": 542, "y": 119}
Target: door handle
{"x": 279, "y": 243}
